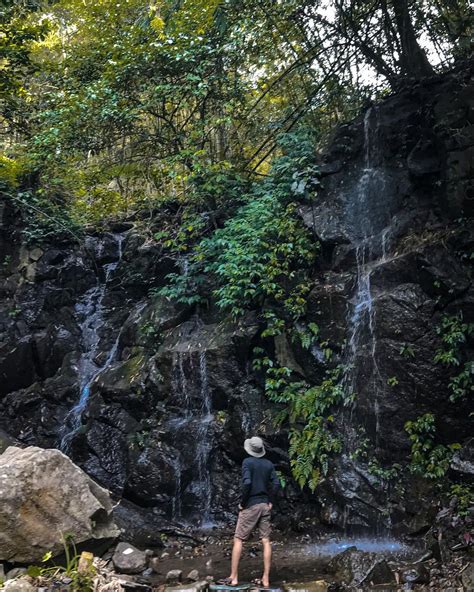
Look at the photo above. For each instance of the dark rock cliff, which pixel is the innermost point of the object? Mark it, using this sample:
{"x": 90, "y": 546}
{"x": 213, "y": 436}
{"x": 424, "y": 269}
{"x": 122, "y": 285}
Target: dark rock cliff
{"x": 154, "y": 400}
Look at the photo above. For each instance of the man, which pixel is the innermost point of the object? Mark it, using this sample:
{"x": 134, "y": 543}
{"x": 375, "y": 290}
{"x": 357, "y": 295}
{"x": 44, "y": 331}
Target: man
{"x": 259, "y": 486}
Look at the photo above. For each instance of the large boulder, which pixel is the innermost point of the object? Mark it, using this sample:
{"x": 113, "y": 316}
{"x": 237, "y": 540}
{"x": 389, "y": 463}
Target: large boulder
{"x": 44, "y": 496}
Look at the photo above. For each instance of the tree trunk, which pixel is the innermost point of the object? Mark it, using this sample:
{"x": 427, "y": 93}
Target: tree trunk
{"x": 413, "y": 60}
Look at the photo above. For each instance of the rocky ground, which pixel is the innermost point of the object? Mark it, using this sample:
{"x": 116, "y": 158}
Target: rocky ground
{"x": 298, "y": 565}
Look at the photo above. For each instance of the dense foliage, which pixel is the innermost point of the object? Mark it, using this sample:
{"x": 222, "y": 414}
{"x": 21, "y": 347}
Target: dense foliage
{"x": 113, "y": 107}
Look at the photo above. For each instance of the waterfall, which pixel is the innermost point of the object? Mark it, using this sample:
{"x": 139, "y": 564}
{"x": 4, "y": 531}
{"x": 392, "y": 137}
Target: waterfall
{"x": 203, "y": 444}
{"x": 191, "y": 388}
{"x": 176, "y": 501}
{"x": 368, "y": 215}
{"x": 90, "y": 315}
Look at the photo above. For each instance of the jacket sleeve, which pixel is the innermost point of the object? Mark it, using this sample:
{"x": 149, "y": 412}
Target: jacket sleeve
{"x": 246, "y": 484}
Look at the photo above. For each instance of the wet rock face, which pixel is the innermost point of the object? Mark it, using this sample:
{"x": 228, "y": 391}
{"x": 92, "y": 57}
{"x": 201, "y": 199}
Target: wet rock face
{"x": 154, "y": 400}
{"x": 151, "y": 399}
{"x": 393, "y": 223}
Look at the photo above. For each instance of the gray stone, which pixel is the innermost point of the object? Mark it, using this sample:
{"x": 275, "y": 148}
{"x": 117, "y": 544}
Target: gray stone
{"x": 18, "y": 585}
{"x": 463, "y": 460}
{"x": 128, "y": 559}
{"x": 129, "y": 585}
{"x": 36, "y": 254}
{"x": 154, "y": 563}
{"x": 416, "y": 574}
{"x": 352, "y": 565}
{"x": 467, "y": 577}
{"x": 379, "y": 573}
{"x": 43, "y": 495}
{"x": 193, "y": 576}
{"x": 174, "y": 575}
{"x": 15, "y": 573}
{"x": 316, "y": 586}
{"x": 192, "y": 587}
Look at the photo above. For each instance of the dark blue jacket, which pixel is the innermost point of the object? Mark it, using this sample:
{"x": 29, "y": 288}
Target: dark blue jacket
{"x": 259, "y": 481}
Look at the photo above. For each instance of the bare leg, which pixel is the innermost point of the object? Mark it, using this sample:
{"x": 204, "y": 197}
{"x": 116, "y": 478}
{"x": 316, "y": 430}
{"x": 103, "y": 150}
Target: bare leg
{"x": 267, "y": 561}
{"x": 236, "y": 553}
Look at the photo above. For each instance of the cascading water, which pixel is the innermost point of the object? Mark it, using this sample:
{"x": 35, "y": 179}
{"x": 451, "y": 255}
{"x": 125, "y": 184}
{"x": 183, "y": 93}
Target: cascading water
{"x": 90, "y": 314}
{"x": 191, "y": 387}
{"x": 204, "y": 444}
{"x": 369, "y": 217}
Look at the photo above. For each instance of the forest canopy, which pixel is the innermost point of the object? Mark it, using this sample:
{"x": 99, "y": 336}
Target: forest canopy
{"x": 115, "y": 107}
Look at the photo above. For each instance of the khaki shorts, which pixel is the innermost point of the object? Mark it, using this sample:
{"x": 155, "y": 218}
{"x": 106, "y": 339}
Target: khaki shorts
{"x": 258, "y": 515}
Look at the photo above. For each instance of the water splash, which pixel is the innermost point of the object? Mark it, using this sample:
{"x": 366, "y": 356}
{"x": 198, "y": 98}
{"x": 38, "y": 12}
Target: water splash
{"x": 90, "y": 313}
{"x": 368, "y": 545}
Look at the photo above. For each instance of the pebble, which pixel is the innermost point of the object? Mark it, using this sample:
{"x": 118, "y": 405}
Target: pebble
{"x": 174, "y": 575}
{"x": 165, "y": 555}
{"x": 193, "y": 575}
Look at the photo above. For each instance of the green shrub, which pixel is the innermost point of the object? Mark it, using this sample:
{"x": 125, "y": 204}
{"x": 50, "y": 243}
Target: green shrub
{"x": 454, "y": 333}
{"x": 428, "y": 458}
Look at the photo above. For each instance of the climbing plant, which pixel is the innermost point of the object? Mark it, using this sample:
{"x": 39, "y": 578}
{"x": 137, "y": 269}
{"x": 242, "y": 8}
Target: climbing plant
{"x": 455, "y": 334}
{"x": 428, "y": 459}
{"x": 309, "y": 410}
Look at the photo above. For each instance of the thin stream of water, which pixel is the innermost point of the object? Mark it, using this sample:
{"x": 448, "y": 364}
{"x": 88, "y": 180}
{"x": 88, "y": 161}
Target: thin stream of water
{"x": 371, "y": 249}
{"x": 90, "y": 313}
{"x": 191, "y": 378}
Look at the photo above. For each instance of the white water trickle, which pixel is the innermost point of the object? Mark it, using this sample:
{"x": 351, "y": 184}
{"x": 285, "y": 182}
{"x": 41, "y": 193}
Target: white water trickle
{"x": 369, "y": 216}
{"x": 203, "y": 446}
{"x": 180, "y": 383}
{"x": 191, "y": 387}
{"x": 176, "y": 501}
{"x": 90, "y": 314}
